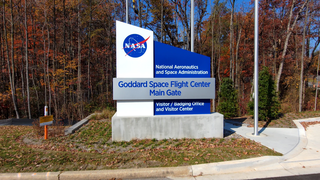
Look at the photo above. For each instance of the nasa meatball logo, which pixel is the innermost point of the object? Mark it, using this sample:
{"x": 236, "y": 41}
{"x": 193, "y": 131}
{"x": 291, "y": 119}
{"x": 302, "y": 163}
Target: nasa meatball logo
{"x": 135, "y": 45}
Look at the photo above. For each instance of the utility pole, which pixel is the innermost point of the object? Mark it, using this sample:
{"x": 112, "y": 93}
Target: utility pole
{"x": 127, "y": 11}
{"x": 256, "y": 66}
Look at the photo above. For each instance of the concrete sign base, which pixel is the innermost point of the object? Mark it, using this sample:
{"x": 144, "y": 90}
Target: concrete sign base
{"x": 166, "y": 127}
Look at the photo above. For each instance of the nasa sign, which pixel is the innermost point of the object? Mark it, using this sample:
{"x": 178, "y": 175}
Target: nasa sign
{"x": 162, "y": 91}
{"x": 149, "y": 74}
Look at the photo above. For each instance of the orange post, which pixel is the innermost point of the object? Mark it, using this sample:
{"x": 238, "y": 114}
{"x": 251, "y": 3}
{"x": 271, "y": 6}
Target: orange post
{"x": 46, "y": 132}
{"x": 46, "y": 126}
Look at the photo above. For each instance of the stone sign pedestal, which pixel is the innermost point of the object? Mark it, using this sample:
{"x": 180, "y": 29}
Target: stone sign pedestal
{"x": 166, "y": 127}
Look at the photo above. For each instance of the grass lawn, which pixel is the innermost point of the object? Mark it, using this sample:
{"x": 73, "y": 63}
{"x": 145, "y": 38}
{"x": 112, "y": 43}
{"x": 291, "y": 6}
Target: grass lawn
{"x": 91, "y": 148}
{"x": 22, "y": 148}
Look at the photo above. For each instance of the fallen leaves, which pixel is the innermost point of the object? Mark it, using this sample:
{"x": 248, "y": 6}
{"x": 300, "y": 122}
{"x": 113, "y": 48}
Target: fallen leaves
{"x": 89, "y": 148}
{"x": 307, "y": 124}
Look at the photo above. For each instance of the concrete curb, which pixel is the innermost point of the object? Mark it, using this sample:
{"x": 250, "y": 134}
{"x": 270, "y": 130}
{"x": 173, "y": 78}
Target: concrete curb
{"x": 233, "y": 166}
{"x": 127, "y": 173}
{"x": 303, "y": 141}
{"x": 251, "y": 164}
{"x": 76, "y": 126}
{"x": 27, "y": 176}
{"x": 103, "y": 174}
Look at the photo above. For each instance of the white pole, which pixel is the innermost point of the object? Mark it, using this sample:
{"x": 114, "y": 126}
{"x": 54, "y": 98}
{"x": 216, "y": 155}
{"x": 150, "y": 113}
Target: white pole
{"x": 127, "y": 11}
{"x": 256, "y": 66}
{"x": 192, "y": 25}
{"x": 46, "y": 111}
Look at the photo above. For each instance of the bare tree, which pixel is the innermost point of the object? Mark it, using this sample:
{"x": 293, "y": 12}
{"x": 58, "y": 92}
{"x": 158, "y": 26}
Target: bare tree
{"x": 288, "y": 33}
{"x": 302, "y": 57}
{"x": 13, "y": 90}
{"x": 182, "y": 12}
{"x": 201, "y": 8}
{"x": 11, "y": 73}
{"x": 26, "y": 56}
{"x": 237, "y": 62}
{"x": 89, "y": 52}
{"x": 316, "y": 96}
{"x": 231, "y": 41}
{"x": 79, "y": 61}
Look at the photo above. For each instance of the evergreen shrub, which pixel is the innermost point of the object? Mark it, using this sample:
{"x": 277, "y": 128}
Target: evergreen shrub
{"x": 269, "y": 106}
{"x": 228, "y": 99}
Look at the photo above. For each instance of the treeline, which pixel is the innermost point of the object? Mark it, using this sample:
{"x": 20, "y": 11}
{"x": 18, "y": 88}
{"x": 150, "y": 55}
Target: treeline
{"x": 58, "y": 53}
{"x": 61, "y": 53}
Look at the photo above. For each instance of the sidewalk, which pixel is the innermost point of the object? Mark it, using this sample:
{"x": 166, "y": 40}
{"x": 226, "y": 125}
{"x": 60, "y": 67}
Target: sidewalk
{"x": 282, "y": 140}
{"x": 304, "y": 158}
{"x": 301, "y": 151}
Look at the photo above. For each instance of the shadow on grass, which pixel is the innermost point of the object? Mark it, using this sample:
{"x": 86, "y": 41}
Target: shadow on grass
{"x": 236, "y": 121}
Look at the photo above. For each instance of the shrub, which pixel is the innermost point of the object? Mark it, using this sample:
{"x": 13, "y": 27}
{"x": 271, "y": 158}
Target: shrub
{"x": 105, "y": 114}
{"x": 269, "y": 105}
{"x": 228, "y": 99}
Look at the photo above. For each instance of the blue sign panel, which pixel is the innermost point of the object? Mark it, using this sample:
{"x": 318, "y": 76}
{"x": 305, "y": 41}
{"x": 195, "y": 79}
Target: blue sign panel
{"x": 172, "y": 62}
{"x": 178, "y": 107}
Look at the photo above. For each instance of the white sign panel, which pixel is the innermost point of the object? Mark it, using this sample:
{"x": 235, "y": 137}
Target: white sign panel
{"x": 134, "y": 60}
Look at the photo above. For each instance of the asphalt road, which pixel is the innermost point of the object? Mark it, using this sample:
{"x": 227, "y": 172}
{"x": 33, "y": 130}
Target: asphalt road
{"x": 24, "y": 122}
{"x": 300, "y": 177}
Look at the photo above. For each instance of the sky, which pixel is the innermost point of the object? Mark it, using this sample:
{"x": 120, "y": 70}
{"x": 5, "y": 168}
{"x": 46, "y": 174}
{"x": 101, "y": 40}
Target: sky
{"x": 240, "y": 5}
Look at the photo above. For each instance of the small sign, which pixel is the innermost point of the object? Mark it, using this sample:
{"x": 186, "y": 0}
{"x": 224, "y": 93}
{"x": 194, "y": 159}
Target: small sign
{"x": 46, "y": 120}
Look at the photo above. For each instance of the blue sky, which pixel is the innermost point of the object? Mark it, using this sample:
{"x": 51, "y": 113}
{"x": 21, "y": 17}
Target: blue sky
{"x": 246, "y": 6}
{"x": 239, "y": 4}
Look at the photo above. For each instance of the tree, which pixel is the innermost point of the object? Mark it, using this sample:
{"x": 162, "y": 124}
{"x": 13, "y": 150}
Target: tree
{"x": 231, "y": 41}
{"x": 316, "y": 95}
{"x": 13, "y": 89}
{"x": 228, "y": 105}
{"x": 69, "y": 55}
{"x": 27, "y": 60}
{"x": 79, "y": 93}
{"x": 302, "y": 57}
{"x": 288, "y": 33}
{"x": 182, "y": 11}
{"x": 201, "y": 11}
{"x": 163, "y": 22}
{"x": 213, "y": 39}
{"x": 268, "y": 99}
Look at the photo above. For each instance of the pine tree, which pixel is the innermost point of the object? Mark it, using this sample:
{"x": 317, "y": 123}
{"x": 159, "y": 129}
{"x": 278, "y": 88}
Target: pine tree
{"x": 268, "y": 100}
{"x": 228, "y": 105}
